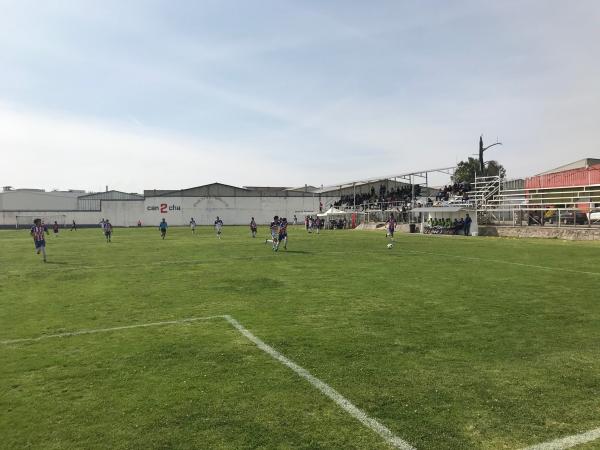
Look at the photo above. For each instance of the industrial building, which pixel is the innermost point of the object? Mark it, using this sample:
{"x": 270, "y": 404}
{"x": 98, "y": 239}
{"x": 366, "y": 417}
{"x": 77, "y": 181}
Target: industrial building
{"x": 234, "y": 205}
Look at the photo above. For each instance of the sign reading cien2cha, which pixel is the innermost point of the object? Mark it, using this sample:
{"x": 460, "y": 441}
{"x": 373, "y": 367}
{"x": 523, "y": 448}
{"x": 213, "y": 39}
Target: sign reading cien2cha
{"x": 164, "y": 208}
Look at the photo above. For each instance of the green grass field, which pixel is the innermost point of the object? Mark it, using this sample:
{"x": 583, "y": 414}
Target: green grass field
{"x": 448, "y": 342}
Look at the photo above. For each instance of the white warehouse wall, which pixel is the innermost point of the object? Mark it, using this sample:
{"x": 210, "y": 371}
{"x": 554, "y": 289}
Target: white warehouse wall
{"x": 179, "y": 210}
{"x": 38, "y": 201}
{"x": 232, "y": 210}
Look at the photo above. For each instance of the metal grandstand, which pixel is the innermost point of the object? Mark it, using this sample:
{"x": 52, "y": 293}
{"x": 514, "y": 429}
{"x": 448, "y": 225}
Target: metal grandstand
{"x": 408, "y": 179}
{"x": 522, "y": 203}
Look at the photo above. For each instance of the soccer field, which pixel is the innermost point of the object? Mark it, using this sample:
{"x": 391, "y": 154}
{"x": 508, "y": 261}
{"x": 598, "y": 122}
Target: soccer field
{"x": 338, "y": 342}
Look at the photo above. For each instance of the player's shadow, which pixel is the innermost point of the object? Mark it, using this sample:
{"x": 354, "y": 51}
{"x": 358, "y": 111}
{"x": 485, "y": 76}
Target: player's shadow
{"x": 297, "y": 251}
{"x": 59, "y": 263}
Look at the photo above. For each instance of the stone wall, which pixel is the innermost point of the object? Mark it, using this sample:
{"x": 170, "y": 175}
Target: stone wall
{"x": 567, "y": 233}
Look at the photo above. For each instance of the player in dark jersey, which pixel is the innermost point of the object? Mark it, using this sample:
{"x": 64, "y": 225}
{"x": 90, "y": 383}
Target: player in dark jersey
{"x": 37, "y": 233}
{"x": 253, "y": 227}
{"x": 55, "y": 227}
{"x": 74, "y": 226}
{"x": 162, "y": 226}
{"x": 391, "y": 226}
{"x": 283, "y": 224}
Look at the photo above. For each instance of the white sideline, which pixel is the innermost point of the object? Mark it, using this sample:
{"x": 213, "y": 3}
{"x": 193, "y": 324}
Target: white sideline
{"x": 327, "y": 390}
{"x": 568, "y": 442}
{"x": 323, "y": 387}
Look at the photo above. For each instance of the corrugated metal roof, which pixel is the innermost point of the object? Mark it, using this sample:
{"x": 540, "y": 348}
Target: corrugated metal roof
{"x": 580, "y": 164}
{"x": 226, "y": 190}
{"x": 111, "y": 195}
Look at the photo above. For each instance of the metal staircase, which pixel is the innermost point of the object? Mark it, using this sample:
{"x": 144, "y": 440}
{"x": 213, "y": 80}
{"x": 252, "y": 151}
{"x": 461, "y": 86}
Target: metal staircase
{"x": 486, "y": 189}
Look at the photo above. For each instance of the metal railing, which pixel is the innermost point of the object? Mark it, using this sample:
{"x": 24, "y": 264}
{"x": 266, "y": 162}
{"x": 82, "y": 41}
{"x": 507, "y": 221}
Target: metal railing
{"x": 569, "y": 206}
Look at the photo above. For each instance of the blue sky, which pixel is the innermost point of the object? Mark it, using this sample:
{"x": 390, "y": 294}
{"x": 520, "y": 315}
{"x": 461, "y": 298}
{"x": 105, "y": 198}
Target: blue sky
{"x": 158, "y": 94}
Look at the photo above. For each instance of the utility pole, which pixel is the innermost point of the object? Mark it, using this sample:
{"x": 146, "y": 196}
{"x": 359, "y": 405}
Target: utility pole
{"x": 483, "y": 149}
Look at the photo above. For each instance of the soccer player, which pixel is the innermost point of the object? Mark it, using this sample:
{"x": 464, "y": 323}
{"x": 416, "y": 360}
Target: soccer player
{"x": 274, "y": 232}
{"x": 37, "y": 233}
{"x": 163, "y": 228}
{"x": 253, "y": 227}
{"x": 193, "y": 225}
{"x": 108, "y": 229}
{"x": 295, "y": 220}
{"x": 218, "y": 226}
{"x": 318, "y": 224}
{"x": 391, "y": 226}
{"x": 283, "y": 224}
{"x": 55, "y": 227}
{"x": 74, "y": 226}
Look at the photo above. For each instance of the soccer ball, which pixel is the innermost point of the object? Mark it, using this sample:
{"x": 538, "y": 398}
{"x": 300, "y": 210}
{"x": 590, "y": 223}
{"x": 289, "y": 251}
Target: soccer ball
{"x": 390, "y": 245}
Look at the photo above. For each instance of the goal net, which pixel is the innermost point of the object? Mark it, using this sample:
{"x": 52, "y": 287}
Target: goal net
{"x": 48, "y": 220}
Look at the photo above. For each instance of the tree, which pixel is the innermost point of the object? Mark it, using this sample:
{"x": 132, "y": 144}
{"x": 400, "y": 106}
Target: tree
{"x": 466, "y": 171}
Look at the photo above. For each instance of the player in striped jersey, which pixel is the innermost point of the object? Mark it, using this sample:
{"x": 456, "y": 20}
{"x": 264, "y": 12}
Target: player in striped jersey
{"x": 108, "y": 229}
{"x": 37, "y": 233}
{"x": 283, "y": 224}
{"x": 218, "y": 227}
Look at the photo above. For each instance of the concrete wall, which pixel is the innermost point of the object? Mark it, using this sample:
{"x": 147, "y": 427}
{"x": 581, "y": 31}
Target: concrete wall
{"x": 38, "y": 201}
{"x": 179, "y": 210}
{"x": 572, "y": 234}
{"x": 232, "y": 210}
{"x": 8, "y": 218}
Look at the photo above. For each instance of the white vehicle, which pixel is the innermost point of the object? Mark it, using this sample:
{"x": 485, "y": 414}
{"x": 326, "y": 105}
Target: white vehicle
{"x": 595, "y": 217}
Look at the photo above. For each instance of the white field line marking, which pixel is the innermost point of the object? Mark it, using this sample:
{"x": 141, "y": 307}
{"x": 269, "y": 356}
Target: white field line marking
{"x": 568, "y": 442}
{"x": 323, "y": 387}
{"x": 108, "y": 330}
{"x": 499, "y": 261}
{"x": 327, "y": 390}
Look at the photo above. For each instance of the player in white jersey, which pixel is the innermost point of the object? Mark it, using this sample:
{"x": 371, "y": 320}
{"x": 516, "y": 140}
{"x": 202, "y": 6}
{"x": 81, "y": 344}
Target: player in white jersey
{"x": 274, "y": 233}
{"x": 193, "y": 225}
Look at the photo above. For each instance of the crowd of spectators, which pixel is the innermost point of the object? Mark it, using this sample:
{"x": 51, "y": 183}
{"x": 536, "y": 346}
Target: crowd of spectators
{"x": 382, "y": 198}
{"x": 453, "y": 190}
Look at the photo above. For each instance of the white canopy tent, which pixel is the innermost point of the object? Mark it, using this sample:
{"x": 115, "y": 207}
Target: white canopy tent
{"x": 332, "y": 212}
